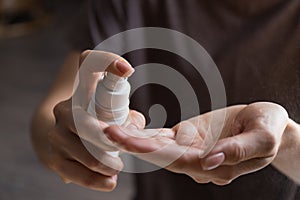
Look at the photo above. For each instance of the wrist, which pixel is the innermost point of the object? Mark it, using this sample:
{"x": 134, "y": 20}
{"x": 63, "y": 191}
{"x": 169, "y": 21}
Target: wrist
{"x": 42, "y": 122}
{"x": 286, "y": 160}
{"x": 289, "y": 141}
{"x": 288, "y": 138}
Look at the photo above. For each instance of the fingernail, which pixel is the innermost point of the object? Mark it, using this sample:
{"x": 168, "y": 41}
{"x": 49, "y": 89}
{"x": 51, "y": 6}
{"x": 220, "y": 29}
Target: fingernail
{"x": 124, "y": 67}
{"x": 213, "y": 161}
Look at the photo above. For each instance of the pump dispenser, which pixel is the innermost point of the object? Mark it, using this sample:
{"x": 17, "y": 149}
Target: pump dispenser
{"x": 110, "y": 102}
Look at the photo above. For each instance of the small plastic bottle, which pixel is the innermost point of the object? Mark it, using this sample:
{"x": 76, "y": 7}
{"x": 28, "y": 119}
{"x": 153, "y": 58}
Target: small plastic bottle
{"x": 110, "y": 102}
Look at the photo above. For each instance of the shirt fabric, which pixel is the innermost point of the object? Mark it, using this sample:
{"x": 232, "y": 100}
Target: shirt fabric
{"x": 256, "y": 46}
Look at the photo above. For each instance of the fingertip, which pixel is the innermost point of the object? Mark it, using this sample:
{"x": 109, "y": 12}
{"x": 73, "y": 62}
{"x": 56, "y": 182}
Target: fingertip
{"x": 123, "y": 67}
{"x": 137, "y": 119}
{"x": 110, "y": 184}
{"x": 213, "y": 161}
{"x": 83, "y": 55}
{"x": 108, "y": 131}
{"x": 111, "y": 129}
{"x": 65, "y": 180}
{"x": 106, "y": 184}
{"x": 114, "y": 133}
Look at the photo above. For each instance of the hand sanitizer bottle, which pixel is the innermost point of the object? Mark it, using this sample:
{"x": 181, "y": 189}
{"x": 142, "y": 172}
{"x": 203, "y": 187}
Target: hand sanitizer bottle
{"x": 110, "y": 102}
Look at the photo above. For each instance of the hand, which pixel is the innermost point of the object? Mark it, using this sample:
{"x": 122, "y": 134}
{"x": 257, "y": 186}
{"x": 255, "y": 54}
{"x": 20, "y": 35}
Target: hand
{"x": 67, "y": 155}
{"x": 249, "y": 141}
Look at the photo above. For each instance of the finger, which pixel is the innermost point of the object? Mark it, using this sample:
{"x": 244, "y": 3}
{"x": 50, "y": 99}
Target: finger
{"x": 93, "y": 64}
{"x": 138, "y": 141}
{"x": 201, "y": 180}
{"x": 226, "y": 174}
{"x": 80, "y": 175}
{"x": 242, "y": 147}
{"x": 91, "y": 130}
{"x": 69, "y": 146}
{"x": 161, "y": 151}
{"x": 83, "y": 56}
{"x": 136, "y": 120}
{"x": 187, "y": 133}
{"x": 84, "y": 125}
{"x": 64, "y": 116}
{"x": 100, "y": 161}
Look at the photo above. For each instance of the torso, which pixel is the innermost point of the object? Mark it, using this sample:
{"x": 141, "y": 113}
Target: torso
{"x": 256, "y": 47}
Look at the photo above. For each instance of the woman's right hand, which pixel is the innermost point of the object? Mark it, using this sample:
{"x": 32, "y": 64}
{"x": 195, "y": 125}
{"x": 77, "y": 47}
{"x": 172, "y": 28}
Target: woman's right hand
{"x": 67, "y": 155}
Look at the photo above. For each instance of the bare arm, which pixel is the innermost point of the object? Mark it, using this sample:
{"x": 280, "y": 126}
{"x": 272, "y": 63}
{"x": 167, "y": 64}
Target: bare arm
{"x": 56, "y": 139}
{"x": 253, "y": 137}
{"x": 43, "y": 120}
{"x": 288, "y": 158}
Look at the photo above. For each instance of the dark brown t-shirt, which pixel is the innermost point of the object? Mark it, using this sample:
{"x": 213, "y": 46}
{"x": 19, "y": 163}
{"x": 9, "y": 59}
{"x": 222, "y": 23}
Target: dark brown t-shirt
{"x": 256, "y": 46}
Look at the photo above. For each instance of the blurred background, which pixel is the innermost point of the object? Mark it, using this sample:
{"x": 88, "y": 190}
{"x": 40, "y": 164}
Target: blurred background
{"x": 32, "y": 48}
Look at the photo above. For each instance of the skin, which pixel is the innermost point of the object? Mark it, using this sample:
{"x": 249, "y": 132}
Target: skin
{"x": 253, "y": 136}
{"x": 54, "y": 135}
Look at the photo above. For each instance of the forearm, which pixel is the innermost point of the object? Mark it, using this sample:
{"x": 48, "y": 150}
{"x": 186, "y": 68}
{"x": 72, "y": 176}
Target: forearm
{"x": 43, "y": 120}
{"x": 288, "y": 158}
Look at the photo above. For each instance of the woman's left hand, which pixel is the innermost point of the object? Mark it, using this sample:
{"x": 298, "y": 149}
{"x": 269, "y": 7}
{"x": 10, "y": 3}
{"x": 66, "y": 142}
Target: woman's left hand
{"x": 249, "y": 140}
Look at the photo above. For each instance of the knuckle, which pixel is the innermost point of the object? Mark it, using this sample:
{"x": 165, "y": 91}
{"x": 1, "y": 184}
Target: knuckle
{"x": 183, "y": 123}
{"x": 183, "y": 126}
{"x": 60, "y": 109}
{"x": 237, "y": 154}
{"x": 186, "y": 133}
{"x": 56, "y": 137}
{"x": 269, "y": 144}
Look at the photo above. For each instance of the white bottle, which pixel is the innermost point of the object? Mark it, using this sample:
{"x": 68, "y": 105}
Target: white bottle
{"x": 110, "y": 102}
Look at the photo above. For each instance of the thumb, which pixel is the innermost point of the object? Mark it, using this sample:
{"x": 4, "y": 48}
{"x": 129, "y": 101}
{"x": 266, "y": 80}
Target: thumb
{"x": 239, "y": 148}
{"x": 92, "y": 65}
